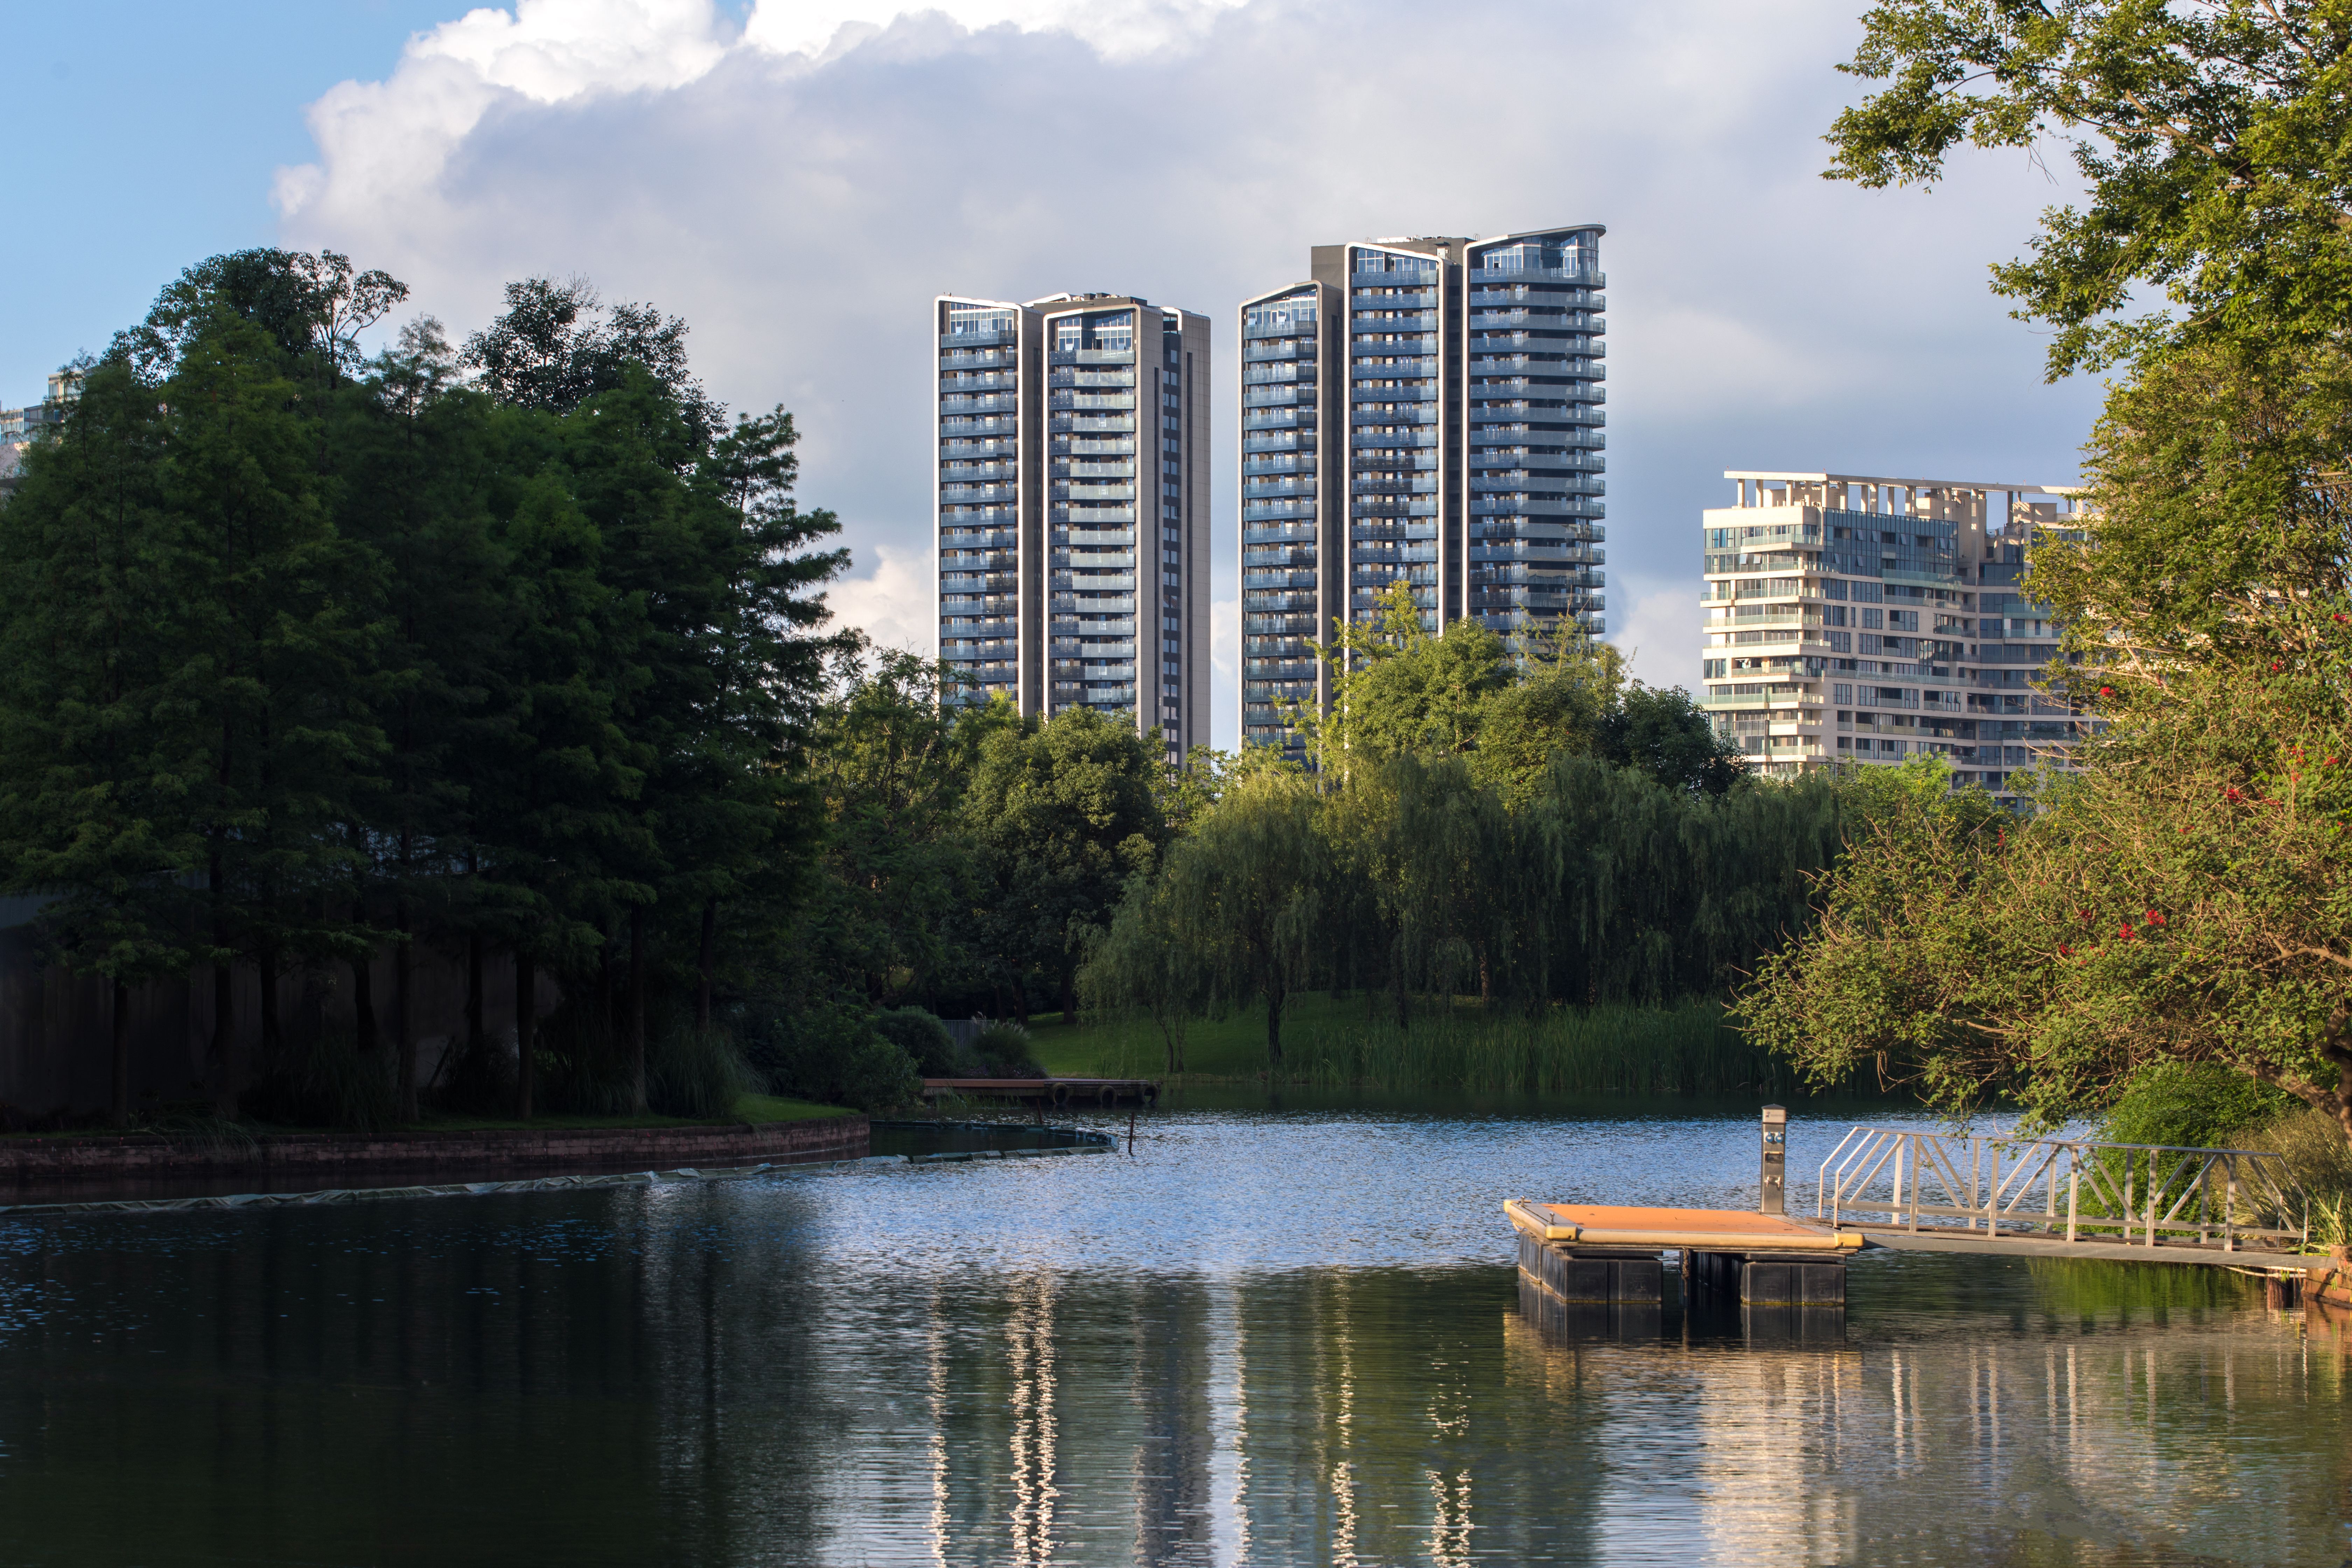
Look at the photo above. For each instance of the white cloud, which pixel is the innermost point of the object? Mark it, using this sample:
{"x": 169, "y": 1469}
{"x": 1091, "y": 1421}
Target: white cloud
{"x": 892, "y": 603}
{"x": 800, "y": 190}
{"x": 1658, "y": 629}
{"x": 1225, "y": 663}
{"x": 1118, "y": 29}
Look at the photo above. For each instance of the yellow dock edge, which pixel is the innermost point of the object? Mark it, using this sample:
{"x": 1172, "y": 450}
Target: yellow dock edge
{"x": 1528, "y": 1216}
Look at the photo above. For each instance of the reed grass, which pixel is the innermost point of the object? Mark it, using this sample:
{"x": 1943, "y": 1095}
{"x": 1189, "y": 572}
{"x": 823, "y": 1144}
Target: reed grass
{"x": 1620, "y": 1050}
{"x": 1689, "y": 1048}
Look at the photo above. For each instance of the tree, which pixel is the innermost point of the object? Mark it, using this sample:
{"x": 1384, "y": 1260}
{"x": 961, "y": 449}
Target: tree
{"x": 556, "y": 346}
{"x": 2177, "y": 902}
{"x": 1147, "y": 962}
{"x": 1241, "y": 895}
{"x": 2184, "y": 900}
{"x": 1400, "y": 688}
{"x": 268, "y": 666}
{"x": 91, "y": 810}
{"x": 2211, "y": 135}
{"x": 1062, "y": 814}
{"x": 1667, "y": 736}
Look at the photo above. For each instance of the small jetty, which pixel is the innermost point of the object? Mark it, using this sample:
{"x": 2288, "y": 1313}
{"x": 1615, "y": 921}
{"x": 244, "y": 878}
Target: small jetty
{"x": 1062, "y": 1093}
{"x": 1908, "y": 1190}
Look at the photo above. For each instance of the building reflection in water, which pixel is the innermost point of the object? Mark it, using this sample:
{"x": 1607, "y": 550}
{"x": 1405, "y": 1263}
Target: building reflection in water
{"x": 693, "y": 1376}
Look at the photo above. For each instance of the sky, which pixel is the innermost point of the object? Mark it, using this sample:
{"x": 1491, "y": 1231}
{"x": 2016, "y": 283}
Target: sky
{"x": 798, "y": 179}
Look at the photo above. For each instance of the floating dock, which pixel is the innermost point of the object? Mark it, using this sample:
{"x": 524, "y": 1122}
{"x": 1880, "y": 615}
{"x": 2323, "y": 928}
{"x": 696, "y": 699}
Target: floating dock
{"x": 1062, "y": 1093}
{"x": 1590, "y": 1254}
{"x": 1910, "y": 1190}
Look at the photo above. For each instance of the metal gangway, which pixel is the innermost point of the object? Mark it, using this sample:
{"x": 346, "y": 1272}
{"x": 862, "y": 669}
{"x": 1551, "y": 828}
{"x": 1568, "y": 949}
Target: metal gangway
{"x": 2063, "y": 1196}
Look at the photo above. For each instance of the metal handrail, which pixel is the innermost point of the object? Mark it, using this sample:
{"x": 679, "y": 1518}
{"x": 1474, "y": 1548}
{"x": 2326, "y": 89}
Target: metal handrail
{"x": 2141, "y": 1191}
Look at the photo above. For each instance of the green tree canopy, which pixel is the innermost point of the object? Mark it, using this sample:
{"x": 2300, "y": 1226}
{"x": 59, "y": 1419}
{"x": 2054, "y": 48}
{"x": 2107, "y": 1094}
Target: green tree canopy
{"x": 2211, "y": 135}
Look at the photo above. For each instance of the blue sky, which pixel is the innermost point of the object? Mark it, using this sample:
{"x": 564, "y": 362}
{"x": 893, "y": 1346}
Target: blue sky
{"x": 798, "y": 178}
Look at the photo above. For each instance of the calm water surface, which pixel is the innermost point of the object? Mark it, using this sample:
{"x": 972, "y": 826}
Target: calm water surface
{"x": 1273, "y": 1336}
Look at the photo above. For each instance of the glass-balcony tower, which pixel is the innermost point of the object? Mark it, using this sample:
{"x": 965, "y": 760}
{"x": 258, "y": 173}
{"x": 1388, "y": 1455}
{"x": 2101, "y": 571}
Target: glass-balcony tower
{"x": 1426, "y": 410}
{"x": 1287, "y": 602}
{"x": 1073, "y": 514}
{"x": 1533, "y": 555}
{"x": 987, "y": 516}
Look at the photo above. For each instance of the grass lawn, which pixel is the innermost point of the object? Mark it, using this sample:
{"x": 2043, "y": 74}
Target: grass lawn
{"x": 1233, "y": 1047}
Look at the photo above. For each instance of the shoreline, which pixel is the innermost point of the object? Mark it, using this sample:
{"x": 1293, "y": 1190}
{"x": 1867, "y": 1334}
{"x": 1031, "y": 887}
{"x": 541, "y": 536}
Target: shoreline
{"x": 45, "y": 1165}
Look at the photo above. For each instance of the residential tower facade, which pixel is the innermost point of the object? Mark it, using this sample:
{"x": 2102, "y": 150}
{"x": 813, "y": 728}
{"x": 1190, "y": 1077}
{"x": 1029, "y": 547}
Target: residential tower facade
{"x": 1427, "y": 410}
{"x": 1072, "y": 506}
{"x": 1868, "y": 618}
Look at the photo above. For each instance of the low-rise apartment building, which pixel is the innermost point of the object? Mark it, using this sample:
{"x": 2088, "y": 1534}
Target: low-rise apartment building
{"x": 1862, "y": 617}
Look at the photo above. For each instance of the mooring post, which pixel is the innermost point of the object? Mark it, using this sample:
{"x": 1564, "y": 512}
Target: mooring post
{"x": 1772, "y": 1195}
{"x": 1130, "y": 1132}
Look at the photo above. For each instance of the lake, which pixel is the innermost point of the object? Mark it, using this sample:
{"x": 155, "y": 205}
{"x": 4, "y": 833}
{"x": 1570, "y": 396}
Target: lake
{"x": 1281, "y": 1333}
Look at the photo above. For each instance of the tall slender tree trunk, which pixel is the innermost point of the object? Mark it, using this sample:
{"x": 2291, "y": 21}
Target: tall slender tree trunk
{"x": 404, "y": 993}
{"x": 526, "y": 1031}
{"x": 1275, "y": 997}
{"x": 120, "y": 1113}
{"x": 707, "y": 963}
{"x": 273, "y": 1038}
{"x": 638, "y": 1008}
{"x": 363, "y": 1022}
{"x": 477, "y": 1046}
{"x": 228, "y": 1056}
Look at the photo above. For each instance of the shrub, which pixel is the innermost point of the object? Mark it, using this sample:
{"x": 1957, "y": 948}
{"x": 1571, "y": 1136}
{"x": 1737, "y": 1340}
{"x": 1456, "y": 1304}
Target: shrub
{"x": 2198, "y": 1105}
{"x": 922, "y": 1037}
{"x": 829, "y": 1053}
{"x": 696, "y": 1073}
{"x": 326, "y": 1082}
{"x": 1004, "y": 1049}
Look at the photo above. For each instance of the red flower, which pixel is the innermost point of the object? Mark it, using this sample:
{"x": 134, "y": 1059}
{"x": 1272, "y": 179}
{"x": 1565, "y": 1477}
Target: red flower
{"x": 2065, "y": 952}
{"x": 2232, "y": 794}
{"x": 2329, "y": 763}
{"x": 2106, "y": 692}
{"x": 2155, "y": 917}
{"x": 2124, "y": 932}
{"x": 2276, "y": 666}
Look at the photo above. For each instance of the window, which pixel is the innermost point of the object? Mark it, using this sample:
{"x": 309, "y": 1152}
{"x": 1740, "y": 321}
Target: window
{"x": 1873, "y": 618}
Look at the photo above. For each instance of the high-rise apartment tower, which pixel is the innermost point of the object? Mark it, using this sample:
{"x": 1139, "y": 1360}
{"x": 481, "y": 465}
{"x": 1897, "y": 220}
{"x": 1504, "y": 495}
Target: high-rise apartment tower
{"x": 1852, "y": 616}
{"x": 1428, "y": 409}
{"x": 1073, "y": 507}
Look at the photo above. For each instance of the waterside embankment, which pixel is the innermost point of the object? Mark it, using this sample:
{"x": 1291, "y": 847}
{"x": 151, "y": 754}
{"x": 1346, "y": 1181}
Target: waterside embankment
{"x": 279, "y": 1158}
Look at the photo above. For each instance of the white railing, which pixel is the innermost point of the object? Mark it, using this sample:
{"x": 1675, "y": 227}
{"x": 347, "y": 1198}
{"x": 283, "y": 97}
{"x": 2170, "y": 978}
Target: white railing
{"x": 2134, "y": 1193}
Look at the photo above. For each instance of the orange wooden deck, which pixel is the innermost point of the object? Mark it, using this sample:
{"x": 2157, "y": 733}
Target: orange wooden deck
{"x": 1729, "y": 1230}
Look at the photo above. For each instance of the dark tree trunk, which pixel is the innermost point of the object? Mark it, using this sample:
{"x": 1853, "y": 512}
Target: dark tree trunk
{"x": 273, "y": 1037}
{"x": 363, "y": 1022}
{"x": 526, "y": 1030}
{"x": 638, "y": 1008}
{"x": 707, "y": 963}
{"x": 604, "y": 1003}
{"x": 121, "y": 1111}
{"x": 476, "y": 1046}
{"x": 1275, "y": 997}
{"x": 404, "y": 995}
{"x": 227, "y": 1057}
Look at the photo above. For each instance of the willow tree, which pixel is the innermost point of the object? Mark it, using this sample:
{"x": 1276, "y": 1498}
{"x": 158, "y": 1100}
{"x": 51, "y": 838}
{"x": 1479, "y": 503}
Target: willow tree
{"x": 1243, "y": 894}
